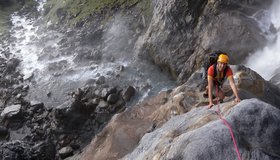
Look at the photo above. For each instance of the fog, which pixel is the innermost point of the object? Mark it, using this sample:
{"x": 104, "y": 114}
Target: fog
{"x": 266, "y": 61}
{"x": 60, "y": 64}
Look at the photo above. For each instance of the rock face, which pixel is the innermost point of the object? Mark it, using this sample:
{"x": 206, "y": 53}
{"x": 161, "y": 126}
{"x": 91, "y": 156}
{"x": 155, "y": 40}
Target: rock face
{"x": 176, "y": 125}
{"x": 27, "y": 150}
{"x": 189, "y": 136}
{"x": 182, "y": 32}
{"x": 11, "y": 111}
{"x": 275, "y": 77}
{"x": 56, "y": 132}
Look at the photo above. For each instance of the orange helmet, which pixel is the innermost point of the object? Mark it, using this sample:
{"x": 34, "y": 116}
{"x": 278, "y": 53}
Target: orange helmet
{"x": 223, "y": 58}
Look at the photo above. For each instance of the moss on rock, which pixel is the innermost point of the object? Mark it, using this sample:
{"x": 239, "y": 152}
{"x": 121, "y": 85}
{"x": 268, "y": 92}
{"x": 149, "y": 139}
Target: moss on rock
{"x": 9, "y": 8}
{"x": 72, "y": 12}
{"x": 5, "y": 13}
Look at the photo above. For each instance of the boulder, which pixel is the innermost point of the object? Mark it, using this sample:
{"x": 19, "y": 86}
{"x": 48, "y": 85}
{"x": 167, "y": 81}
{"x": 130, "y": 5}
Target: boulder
{"x": 11, "y": 111}
{"x": 251, "y": 84}
{"x": 128, "y": 93}
{"x": 11, "y": 65}
{"x": 36, "y": 106}
{"x": 182, "y": 32}
{"x": 163, "y": 120}
{"x": 200, "y": 134}
{"x": 275, "y": 78}
{"x": 65, "y": 152}
{"x": 3, "y": 132}
{"x": 112, "y": 98}
{"x": 27, "y": 150}
{"x": 27, "y": 76}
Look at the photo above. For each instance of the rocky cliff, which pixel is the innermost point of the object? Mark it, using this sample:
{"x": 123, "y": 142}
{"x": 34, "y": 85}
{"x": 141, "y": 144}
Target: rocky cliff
{"x": 182, "y": 32}
{"x": 173, "y": 124}
{"x": 175, "y": 35}
{"x": 176, "y": 124}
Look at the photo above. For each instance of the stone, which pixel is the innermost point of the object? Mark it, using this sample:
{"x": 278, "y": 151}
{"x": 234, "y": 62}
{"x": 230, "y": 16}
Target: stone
{"x": 25, "y": 87}
{"x": 18, "y": 96}
{"x": 27, "y": 76}
{"x": 11, "y": 111}
{"x": 102, "y": 104}
{"x": 35, "y": 105}
{"x": 112, "y": 98}
{"x": 247, "y": 119}
{"x": 194, "y": 126}
{"x": 100, "y": 80}
{"x": 65, "y": 152}
{"x": 3, "y": 132}
{"x": 128, "y": 93}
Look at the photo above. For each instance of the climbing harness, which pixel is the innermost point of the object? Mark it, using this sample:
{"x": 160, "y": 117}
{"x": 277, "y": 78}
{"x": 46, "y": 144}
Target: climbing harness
{"x": 226, "y": 123}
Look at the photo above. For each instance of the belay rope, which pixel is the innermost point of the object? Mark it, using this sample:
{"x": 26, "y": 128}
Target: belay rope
{"x": 225, "y": 122}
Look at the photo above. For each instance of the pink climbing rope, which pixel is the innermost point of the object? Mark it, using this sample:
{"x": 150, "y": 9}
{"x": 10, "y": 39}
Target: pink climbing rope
{"x": 226, "y": 123}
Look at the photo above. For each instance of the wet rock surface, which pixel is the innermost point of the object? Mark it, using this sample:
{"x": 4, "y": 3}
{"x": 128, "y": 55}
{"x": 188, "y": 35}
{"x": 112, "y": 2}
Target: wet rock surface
{"x": 175, "y": 123}
{"x": 30, "y": 130}
{"x": 70, "y": 125}
{"x": 181, "y": 33}
{"x": 200, "y": 134}
{"x": 176, "y": 38}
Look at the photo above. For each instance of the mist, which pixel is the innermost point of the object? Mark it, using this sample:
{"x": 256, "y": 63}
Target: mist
{"x": 54, "y": 66}
{"x": 266, "y": 61}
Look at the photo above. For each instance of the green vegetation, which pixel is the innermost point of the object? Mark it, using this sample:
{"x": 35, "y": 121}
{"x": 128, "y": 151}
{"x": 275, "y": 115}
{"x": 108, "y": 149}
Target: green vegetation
{"x": 52, "y": 7}
{"x": 146, "y": 8}
{"x": 74, "y": 11}
{"x": 5, "y": 17}
{"x": 7, "y": 10}
{"x": 30, "y": 4}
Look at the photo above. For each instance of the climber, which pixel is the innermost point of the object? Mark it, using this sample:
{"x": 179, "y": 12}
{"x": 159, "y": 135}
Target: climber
{"x": 215, "y": 76}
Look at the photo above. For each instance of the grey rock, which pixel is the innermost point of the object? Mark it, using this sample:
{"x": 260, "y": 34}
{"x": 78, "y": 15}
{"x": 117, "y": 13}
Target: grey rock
{"x": 275, "y": 78}
{"x": 3, "y": 132}
{"x": 18, "y": 96}
{"x": 11, "y": 65}
{"x": 11, "y": 111}
{"x": 27, "y": 76}
{"x": 25, "y": 87}
{"x": 128, "y": 93}
{"x": 100, "y": 80}
{"x": 181, "y": 33}
{"x": 112, "y": 98}
{"x": 102, "y": 104}
{"x": 107, "y": 91}
{"x": 35, "y": 104}
{"x": 65, "y": 152}
{"x": 253, "y": 122}
{"x": 27, "y": 150}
